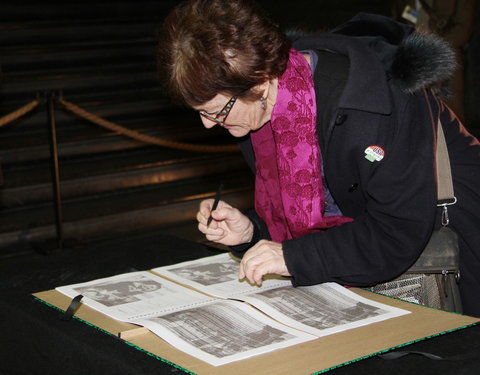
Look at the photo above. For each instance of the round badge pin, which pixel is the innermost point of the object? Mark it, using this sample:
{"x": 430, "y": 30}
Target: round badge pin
{"x": 374, "y": 153}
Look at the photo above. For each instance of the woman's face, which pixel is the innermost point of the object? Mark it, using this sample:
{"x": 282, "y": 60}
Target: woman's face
{"x": 244, "y": 116}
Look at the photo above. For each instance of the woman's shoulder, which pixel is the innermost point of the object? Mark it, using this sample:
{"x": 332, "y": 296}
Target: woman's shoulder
{"x": 411, "y": 60}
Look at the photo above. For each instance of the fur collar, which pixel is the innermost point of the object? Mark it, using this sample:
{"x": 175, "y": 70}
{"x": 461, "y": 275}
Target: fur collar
{"x": 422, "y": 60}
{"x": 413, "y": 60}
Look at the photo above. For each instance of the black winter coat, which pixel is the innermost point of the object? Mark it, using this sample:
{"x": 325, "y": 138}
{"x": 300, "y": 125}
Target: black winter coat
{"x": 393, "y": 200}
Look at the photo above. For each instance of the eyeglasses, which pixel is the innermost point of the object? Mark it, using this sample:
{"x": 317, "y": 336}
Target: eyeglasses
{"x": 221, "y": 116}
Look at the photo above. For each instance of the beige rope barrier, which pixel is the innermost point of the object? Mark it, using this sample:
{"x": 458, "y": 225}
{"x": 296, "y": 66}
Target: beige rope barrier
{"x": 22, "y": 111}
{"x": 143, "y": 137}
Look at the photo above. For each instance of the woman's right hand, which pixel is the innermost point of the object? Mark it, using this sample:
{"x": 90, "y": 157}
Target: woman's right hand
{"x": 228, "y": 226}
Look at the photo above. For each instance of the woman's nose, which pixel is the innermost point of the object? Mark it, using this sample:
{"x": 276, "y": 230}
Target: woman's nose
{"x": 208, "y": 123}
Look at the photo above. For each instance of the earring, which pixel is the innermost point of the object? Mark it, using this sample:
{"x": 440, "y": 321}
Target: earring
{"x": 263, "y": 102}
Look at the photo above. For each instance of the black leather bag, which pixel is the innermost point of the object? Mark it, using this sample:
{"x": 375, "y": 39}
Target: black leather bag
{"x": 440, "y": 260}
{"x": 433, "y": 279}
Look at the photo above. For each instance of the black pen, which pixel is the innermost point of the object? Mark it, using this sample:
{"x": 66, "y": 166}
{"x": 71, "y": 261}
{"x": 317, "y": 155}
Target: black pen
{"x": 215, "y": 203}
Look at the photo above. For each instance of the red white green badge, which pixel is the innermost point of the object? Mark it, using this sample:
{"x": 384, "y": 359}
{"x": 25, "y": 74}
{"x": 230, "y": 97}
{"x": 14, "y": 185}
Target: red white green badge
{"x": 374, "y": 153}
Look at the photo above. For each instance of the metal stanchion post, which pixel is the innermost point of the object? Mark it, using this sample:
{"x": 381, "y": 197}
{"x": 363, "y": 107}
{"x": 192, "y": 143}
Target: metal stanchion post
{"x": 51, "y": 97}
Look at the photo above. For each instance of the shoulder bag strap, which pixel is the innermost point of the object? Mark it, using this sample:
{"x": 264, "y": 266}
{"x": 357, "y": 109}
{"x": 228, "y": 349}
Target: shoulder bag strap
{"x": 444, "y": 173}
{"x": 445, "y": 194}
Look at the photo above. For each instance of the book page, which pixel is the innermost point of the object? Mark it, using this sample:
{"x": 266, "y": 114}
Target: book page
{"x": 132, "y": 296}
{"x": 223, "y": 331}
{"x": 217, "y": 276}
{"x": 321, "y": 309}
{"x": 212, "y": 330}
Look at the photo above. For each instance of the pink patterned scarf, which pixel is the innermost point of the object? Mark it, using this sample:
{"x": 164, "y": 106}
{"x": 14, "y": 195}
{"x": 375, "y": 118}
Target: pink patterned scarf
{"x": 289, "y": 193}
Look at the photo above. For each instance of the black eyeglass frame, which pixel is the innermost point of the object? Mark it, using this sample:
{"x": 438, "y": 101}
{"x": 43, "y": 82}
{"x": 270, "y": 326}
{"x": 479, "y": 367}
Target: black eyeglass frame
{"x": 222, "y": 113}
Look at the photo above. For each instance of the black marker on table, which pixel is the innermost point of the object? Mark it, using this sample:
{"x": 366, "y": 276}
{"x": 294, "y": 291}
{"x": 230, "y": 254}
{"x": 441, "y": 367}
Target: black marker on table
{"x": 215, "y": 203}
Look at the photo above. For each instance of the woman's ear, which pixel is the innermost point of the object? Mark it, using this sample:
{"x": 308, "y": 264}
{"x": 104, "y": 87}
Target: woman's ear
{"x": 261, "y": 89}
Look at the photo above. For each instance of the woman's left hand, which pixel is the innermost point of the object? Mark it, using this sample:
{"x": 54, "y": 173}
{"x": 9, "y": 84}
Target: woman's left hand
{"x": 266, "y": 257}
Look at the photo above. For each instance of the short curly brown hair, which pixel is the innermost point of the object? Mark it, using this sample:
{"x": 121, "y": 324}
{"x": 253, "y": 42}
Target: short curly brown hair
{"x": 209, "y": 47}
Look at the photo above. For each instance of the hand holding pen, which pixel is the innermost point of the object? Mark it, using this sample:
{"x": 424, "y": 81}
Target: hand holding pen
{"x": 215, "y": 203}
{"x": 223, "y": 223}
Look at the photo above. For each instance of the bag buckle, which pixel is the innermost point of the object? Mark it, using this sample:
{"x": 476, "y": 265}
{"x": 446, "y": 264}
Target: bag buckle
{"x": 445, "y": 218}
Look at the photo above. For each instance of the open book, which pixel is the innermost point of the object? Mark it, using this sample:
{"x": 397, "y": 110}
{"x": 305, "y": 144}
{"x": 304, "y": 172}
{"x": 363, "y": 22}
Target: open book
{"x": 201, "y": 308}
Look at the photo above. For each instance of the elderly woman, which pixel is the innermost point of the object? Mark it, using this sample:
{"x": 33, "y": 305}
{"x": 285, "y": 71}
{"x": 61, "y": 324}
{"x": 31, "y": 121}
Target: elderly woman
{"x": 345, "y": 186}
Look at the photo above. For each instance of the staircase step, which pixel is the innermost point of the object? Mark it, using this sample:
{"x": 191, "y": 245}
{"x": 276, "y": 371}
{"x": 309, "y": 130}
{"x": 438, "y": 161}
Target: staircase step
{"x": 48, "y": 10}
{"x": 32, "y": 184}
{"x": 121, "y": 200}
{"x": 108, "y": 143}
{"x": 120, "y": 213}
{"x": 78, "y": 84}
{"x": 119, "y": 106}
{"x": 27, "y": 141}
{"x": 55, "y": 32}
{"x": 79, "y": 56}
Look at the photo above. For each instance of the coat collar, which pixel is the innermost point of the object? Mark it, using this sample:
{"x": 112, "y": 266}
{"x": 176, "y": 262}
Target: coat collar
{"x": 367, "y": 88}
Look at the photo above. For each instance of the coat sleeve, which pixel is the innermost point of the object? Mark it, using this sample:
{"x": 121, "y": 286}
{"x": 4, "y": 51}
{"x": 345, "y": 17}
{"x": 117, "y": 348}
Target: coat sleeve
{"x": 393, "y": 207}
